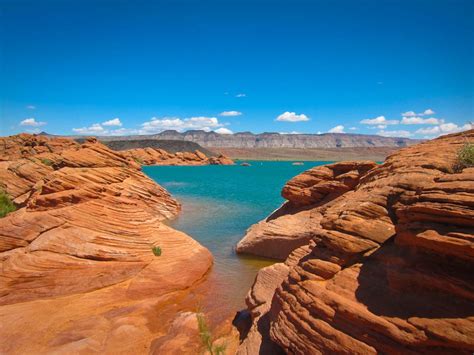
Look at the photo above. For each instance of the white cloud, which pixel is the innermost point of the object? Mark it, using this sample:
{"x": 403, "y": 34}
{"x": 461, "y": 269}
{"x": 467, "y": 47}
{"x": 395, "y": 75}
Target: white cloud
{"x": 353, "y": 128}
{"x": 413, "y": 113}
{"x": 292, "y": 117}
{"x": 223, "y": 130}
{"x": 31, "y": 107}
{"x": 241, "y": 95}
{"x": 420, "y": 120}
{"x": 113, "y": 122}
{"x": 444, "y": 128}
{"x": 292, "y": 132}
{"x": 96, "y": 128}
{"x": 400, "y": 133}
{"x": 337, "y": 129}
{"x": 428, "y": 131}
{"x": 230, "y": 113}
{"x": 380, "y": 120}
{"x": 409, "y": 114}
{"x": 449, "y": 127}
{"x": 31, "y": 122}
{"x": 122, "y": 132}
{"x": 156, "y": 125}
{"x": 452, "y": 127}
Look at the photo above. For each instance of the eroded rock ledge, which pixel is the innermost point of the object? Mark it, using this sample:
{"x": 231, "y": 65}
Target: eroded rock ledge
{"x": 77, "y": 273}
{"x": 385, "y": 262}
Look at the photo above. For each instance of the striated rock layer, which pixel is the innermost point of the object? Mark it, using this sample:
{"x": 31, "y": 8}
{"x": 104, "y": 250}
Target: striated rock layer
{"x": 77, "y": 273}
{"x": 153, "y": 156}
{"x": 387, "y": 266}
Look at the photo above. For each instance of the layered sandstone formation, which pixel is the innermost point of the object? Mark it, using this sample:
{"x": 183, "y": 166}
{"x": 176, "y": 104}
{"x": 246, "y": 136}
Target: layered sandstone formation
{"x": 153, "y": 156}
{"x": 292, "y": 225}
{"x": 387, "y": 263}
{"x": 77, "y": 273}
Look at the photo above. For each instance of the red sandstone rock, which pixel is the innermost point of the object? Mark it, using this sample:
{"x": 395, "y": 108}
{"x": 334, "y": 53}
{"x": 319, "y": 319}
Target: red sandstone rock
{"x": 317, "y": 183}
{"x": 152, "y": 156}
{"x": 77, "y": 273}
{"x": 389, "y": 266}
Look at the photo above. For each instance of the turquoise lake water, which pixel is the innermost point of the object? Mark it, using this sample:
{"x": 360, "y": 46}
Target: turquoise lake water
{"x": 219, "y": 204}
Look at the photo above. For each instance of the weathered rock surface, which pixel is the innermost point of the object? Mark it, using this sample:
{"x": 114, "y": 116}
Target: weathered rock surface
{"x": 152, "y": 156}
{"x": 388, "y": 268}
{"x": 294, "y": 223}
{"x": 77, "y": 273}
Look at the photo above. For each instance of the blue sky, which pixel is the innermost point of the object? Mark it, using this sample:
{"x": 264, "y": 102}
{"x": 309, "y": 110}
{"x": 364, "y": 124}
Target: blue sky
{"x": 119, "y": 67}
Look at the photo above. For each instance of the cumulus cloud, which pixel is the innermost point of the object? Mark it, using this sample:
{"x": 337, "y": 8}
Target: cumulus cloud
{"x": 292, "y": 117}
{"x": 95, "y": 129}
{"x": 444, "y": 128}
{"x": 113, "y": 122}
{"x": 413, "y": 113}
{"x": 156, "y": 125}
{"x": 420, "y": 120}
{"x": 223, "y": 130}
{"x": 241, "y": 95}
{"x": 337, "y": 129}
{"x": 230, "y": 113}
{"x": 409, "y": 114}
{"x": 380, "y": 120}
{"x": 399, "y": 133}
{"x": 31, "y": 122}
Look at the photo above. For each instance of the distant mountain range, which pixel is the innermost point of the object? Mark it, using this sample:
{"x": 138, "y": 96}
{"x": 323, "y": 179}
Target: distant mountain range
{"x": 269, "y": 140}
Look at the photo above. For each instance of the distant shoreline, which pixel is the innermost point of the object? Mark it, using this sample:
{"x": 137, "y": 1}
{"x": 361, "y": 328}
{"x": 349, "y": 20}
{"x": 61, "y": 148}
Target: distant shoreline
{"x": 307, "y": 154}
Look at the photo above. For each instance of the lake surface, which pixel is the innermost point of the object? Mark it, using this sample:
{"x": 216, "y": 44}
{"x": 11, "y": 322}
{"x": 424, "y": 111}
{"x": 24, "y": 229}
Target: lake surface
{"x": 219, "y": 204}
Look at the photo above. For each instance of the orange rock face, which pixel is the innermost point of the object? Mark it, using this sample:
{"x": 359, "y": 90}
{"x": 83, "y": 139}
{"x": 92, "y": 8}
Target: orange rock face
{"x": 152, "y": 156}
{"x": 388, "y": 268}
{"x": 293, "y": 224}
{"x": 77, "y": 273}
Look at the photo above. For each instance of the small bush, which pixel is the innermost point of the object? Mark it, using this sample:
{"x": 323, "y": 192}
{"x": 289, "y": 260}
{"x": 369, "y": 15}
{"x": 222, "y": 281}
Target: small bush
{"x": 6, "y": 205}
{"x": 466, "y": 156}
{"x": 46, "y": 161}
{"x": 206, "y": 336}
{"x": 156, "y": 251}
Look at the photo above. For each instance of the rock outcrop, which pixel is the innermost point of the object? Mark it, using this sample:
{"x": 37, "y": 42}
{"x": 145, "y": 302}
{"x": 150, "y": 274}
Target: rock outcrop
{"x": 308, "y": 194}
{"x": 387, "y": 267}
{"x": 77, "y": 273}
{"x": 152, "y": 156}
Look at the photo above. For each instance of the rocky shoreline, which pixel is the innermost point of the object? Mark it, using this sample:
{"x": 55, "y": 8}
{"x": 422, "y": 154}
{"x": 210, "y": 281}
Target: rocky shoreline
{"x": 376, "y": 259}
{"x": 371, "y": 258}
{"x": 78, "y": 270}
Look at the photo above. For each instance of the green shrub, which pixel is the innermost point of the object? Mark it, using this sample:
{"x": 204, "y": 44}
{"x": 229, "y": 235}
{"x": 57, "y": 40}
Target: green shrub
{"x": 46, "y": 161}
{"x": 6, "y": 205}
{"x": 466, "y": 156}
{"x": 206, "y": 336}
{"x": 156, "y": 251}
